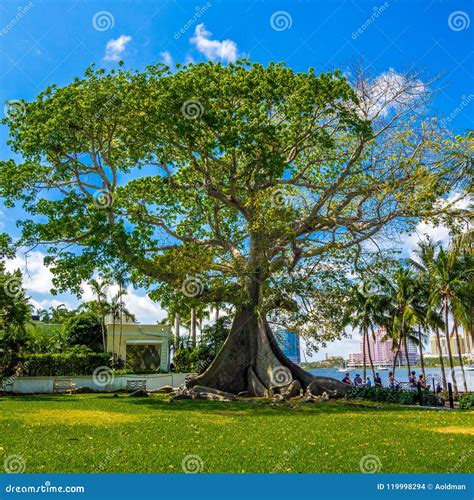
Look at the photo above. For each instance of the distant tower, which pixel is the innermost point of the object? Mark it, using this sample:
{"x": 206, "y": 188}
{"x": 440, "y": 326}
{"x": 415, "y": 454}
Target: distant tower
{"x": 289, "y": 343}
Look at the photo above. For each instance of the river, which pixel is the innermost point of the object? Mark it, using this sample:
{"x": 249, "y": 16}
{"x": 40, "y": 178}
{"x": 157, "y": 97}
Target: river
{"x": 400, "y": 374}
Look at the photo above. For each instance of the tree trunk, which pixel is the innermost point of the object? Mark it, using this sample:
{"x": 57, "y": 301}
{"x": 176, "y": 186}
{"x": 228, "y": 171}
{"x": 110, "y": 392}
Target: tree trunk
{"x": 176, "y": 331}
{"x": 251, "y": 361}
{"x": 441, "y": 360}
{"x": 407, "y": 357}
{"x": 370, "y": 354}
{"x": 399, "y": 347}
{"x": 364, "y": 342}
{"x": 450, "y": 354}
{"x": 104, "y": 333}
{"x": 193, "y": 327}
{"x": 422, "y": 360}
{"x": 461, "y": 363}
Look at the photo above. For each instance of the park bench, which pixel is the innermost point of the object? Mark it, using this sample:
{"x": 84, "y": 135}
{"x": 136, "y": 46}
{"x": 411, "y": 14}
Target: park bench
{"x": 135, "y": 385}
{"x": 64, "y": 385}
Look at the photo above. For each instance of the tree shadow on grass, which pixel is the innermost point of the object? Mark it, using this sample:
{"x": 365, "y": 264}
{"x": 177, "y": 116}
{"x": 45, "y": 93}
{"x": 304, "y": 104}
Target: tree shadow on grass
{"x": 241, "y": 408}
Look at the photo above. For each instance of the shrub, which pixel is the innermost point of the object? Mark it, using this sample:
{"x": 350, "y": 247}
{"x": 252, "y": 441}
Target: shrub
{"x": 84, "y": 329}
{"x": 76, "y": 361}
{"x": 466, "y": 401}
{"x": 197, "y": 359}
{"x": 386, "y": 395}
{"x": 185, "y": 359}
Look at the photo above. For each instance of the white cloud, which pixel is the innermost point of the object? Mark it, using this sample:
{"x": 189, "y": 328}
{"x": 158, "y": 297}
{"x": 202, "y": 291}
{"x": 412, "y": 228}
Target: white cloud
{"x": 213, "y": 49}
{"x": 116, "y": 47}
{"x": 37, "y": 281}
{"x": 438, "y": 233}
{"x": 389, "y": 92}
{"x": 36, "y": 276}
{"x": 145, "y": 310}
{"x": 167, "y": 58}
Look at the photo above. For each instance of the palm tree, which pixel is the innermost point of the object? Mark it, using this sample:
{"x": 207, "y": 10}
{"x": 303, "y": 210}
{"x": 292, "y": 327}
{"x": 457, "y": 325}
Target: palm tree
{"x": 100, "y": 306}
{"x": 432, "y": 317}
{"x": 119, "y": 311}
{"x": 451, "y": 278}
{"x": 362, "y": 315}
{"x": 404, "y": 312}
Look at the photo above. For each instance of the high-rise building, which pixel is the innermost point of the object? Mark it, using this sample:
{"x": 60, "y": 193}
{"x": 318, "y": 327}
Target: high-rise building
{"x": 289, "y": 343}
{"x": 382, "y": 351}
{"x": 464, "y": 341}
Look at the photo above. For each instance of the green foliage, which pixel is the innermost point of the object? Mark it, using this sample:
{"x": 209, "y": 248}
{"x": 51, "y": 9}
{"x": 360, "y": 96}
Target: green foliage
{"x": 188, "y": 359}
{"x": 185, "y": 360}
{"x": 84, "y": 329}
{"x": 386, "y": 395}
{"x": 76, "y": 361}
{"x": 14, "y": 315}
{"x": 275, "y": 172}
{"x": 229, "y": 437}
{"x": 466, "y": 401}
{"x": 47, "y": 338}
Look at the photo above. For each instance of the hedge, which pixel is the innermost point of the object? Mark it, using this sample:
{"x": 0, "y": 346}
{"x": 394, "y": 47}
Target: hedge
{"x": 466, "y": 401}
{"x": 58, "y": 364}
{"x": 386, "y": 395}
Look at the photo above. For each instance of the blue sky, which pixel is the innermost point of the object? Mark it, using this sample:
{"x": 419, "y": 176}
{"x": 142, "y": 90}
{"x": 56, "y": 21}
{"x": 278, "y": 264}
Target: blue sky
{"x": 52, "y": 41}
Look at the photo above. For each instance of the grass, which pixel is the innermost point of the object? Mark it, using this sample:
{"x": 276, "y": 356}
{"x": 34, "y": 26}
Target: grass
{"x": 100, "y": 433}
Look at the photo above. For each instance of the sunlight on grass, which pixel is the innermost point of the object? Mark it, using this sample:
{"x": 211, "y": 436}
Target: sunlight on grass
{"x": 74, "y": 417}
{"x": 102, "y": 433}
{"x": 456, "y": 430}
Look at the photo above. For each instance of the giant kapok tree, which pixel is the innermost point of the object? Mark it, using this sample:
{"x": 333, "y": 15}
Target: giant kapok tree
{"x": 242, "y": 184}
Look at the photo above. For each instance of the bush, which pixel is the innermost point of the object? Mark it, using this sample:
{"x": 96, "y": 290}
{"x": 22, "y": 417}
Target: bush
{"x": 197, "y": 359}
{"x": 386, "y": 395}
{"x": 185, "y": 359}
{"x": 84, "y": 329}
{"x": 76, "y": 361}
{"x": 466, "y": 401}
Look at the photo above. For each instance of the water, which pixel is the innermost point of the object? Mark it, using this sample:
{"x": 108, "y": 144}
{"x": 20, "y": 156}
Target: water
{"x": 400, "y": 374}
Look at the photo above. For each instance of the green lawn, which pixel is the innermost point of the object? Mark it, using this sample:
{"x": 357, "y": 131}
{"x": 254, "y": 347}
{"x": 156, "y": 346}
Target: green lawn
{"x": 100, "y": 433}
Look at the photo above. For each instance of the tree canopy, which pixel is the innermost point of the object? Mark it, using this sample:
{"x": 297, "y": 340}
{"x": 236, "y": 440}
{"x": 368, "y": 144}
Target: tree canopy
{"x": 241, "y": 184}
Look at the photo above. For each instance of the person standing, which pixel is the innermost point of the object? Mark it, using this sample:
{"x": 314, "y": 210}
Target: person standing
{"x": 392, "y": 382}
{"x": 377, "y": 380}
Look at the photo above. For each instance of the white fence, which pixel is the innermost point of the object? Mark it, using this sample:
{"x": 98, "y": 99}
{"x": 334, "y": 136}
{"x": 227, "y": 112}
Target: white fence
{"x": 44, "y": 385}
